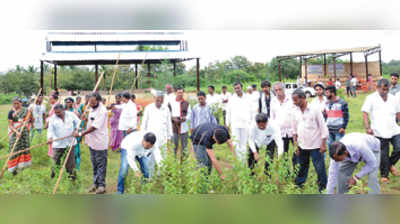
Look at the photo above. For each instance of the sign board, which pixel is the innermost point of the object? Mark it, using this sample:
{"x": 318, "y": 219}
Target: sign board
{"x": 339, "y": 69}
{"x": 314, "y": 69}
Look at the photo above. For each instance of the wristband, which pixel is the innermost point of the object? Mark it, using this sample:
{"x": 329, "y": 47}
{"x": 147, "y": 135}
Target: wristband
{"x": 80, "y": 134}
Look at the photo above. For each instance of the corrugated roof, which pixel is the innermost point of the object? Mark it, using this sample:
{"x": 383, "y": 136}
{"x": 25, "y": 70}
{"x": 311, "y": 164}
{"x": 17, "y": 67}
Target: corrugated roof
{"x": 114, "y": 36}
{"x": 335, "y": 51}
{"x": 60, "y": 58}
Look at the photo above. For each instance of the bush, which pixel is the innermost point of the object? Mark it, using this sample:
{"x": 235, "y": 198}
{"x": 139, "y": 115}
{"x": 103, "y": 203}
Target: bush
{"x": 7, "y": 98}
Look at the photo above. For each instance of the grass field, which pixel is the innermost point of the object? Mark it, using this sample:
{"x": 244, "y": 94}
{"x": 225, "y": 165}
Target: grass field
{"x": 175, "y": 177}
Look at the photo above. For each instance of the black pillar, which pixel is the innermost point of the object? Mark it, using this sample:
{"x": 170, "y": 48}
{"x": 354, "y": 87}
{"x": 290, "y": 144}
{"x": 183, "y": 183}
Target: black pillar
{"x": 301, "y": 69}
{"x": 279, "y": 71}
{"x": 96, "y": 67}
{"x": 41, "y": 76}
{"x": 198, "y": 73}
{"x": 305, "y": 71}
{"x": 55, "y": 76}
{"x": 351, "y": 63}
{"x": 136, "y": 76}
{"x": 325, "y": 70}
{"x": 366, "y": 67}
{"x": 148, "y": 75}
{"x": 380, "y": 63}
{"x": 334, "y": 66}
{"x": 174, "y": 68}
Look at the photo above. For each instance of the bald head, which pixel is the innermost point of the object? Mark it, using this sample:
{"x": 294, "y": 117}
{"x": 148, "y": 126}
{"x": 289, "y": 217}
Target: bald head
{"x": 168, "y": 88}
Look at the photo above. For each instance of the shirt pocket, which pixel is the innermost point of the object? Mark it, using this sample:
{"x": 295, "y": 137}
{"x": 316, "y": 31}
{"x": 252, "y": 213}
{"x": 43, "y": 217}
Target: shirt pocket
{"x": 308, "y": 123}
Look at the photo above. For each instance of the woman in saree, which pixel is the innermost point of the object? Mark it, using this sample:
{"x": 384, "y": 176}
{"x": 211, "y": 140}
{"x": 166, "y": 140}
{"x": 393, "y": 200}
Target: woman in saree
{"x": 69, "y": 106}
{"x": 116, "y": 135}
{"x": 16, "y": 118}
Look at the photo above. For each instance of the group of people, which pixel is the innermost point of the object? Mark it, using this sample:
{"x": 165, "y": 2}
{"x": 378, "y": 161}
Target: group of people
{"x": 249, "y": 122}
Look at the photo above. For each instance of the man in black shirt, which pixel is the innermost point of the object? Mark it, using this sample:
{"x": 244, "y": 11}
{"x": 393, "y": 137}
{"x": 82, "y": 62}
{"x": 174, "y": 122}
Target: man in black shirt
{"x": 203, "y": 138}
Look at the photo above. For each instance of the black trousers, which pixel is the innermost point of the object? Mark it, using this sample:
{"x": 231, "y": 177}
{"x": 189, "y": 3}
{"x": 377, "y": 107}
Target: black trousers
{"x": 59, "y": 153}
{"x": 99, "y": 163}
{"x": 386, "y": 159}
{"x": 270, "y": 152}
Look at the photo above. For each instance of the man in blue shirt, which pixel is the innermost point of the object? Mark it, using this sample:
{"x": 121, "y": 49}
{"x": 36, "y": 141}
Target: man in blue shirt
{"x": 201, "y": 112}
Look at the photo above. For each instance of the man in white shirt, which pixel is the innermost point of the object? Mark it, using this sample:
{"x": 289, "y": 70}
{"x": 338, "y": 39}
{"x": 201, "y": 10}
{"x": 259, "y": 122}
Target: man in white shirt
{"x": 319, "y": 102}
{"x": 238, "y": 119}
{"x": 382, "y": 109}
{"x": 39, "y": 116}
{"x": 128, "y": 119}
{"x": 212, "y": 98}
{"x": 180, "y": 116}
{"x": 338, "y": 84}
{"x": 137, "y": 146}
{"x": 157, "y": 119}
{"x": 282, "y": 108}
{"x": 62, "y": 124}
{"x": 225, "y": 95}
{"x": 170, "y": 95}
{"x": 264, "y": 132}
{"x": 346, "y": 154}
{"x": 254, "y": 97}
{"x": 353, "y": 82}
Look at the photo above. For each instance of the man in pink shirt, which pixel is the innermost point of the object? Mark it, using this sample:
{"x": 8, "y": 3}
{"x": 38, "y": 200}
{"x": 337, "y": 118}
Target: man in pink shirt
{"x": 97, "y": 139}
{"x": 310, "y": 133}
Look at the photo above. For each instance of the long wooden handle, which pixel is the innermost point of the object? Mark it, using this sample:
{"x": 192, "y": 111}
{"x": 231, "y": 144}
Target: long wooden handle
{"x": 27, "y": 119}
{"x": 32, "y": 147}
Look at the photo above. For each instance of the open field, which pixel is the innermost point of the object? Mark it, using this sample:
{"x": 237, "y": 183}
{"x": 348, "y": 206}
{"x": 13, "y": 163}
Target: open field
{"x": 175, "y": 178}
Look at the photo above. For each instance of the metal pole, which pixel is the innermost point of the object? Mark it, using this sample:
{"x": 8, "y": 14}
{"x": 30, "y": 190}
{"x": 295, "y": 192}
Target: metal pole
{"x": 41, "y": 75}
{"x": 301, "y": 69}
{"x": 148, "y": 75}
{"x": 279, "y": 69}
{"x": 366, "y": 67}
{"x": 55, "y": 76}
{"x": 136, "y": 75}
{"x": 334, "y": 66}
{"x": 174, "y": 68}
{"x": 380, "y": 63}
{"x": 325, "y": 65}
{"x": 305, "y": 71}
{"x": 351, "y": 63}
{"x": 96, "y": 66}
{"x": 198, "y": 73}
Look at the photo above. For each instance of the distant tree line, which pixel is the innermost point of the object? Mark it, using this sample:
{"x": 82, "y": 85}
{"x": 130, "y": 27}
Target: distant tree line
{"x": 25, "y": 80}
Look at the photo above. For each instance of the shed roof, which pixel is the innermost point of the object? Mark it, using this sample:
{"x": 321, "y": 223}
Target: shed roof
{"x": 332, "y": 51}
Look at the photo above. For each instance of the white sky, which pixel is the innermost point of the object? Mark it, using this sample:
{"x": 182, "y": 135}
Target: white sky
{"x": 20, "y": 44}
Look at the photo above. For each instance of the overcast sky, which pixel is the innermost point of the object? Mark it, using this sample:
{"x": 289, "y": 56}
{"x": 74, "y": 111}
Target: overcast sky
{"x": 255, "y": 32}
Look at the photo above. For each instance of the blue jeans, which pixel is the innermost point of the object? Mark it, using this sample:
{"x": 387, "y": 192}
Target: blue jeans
{"x": 202, "y": 157}
{"x": 123, "y": 169}
{"x": 333, "y": 136}
{"x": 319, "y": 166}
{"x": 354, "y": 91}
